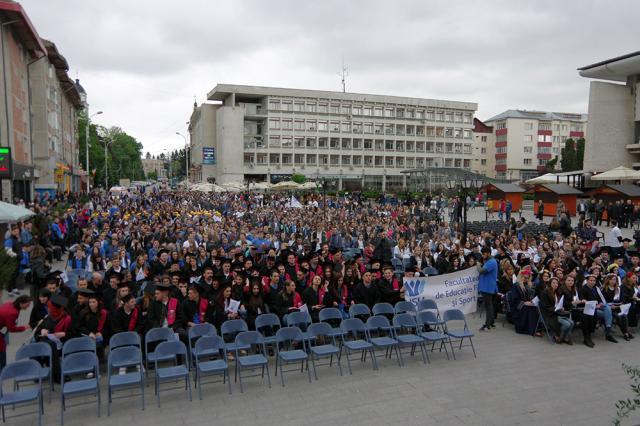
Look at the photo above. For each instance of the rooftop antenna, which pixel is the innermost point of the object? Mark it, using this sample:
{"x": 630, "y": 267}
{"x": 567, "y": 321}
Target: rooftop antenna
{"x": 344, "y": 73}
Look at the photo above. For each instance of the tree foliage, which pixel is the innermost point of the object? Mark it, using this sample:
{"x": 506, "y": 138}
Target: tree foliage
{"x": 152, "y": 175}
{"x": 580, "y": 153}
{"x": 124, "y": 154}
{"x": 626, "y": 406}
{"x": 298, "y": 178}
{"x": 569, "y": 160}
{"x": 551, "y": 165}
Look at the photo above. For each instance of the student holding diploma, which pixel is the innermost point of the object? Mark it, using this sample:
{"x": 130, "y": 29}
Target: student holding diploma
{"x": 591, "y": 293}
{"x": 612, "y": 293}
{"x": 552, "y": 308}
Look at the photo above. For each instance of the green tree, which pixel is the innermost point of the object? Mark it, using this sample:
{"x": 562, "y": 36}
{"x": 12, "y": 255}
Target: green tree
{"x": 580, "y": 153}
{"x": 298, "y": 178}
{"x": 569, "y": 160}
{"x": 152, "y": 175}
{"x": 551, "y": 165}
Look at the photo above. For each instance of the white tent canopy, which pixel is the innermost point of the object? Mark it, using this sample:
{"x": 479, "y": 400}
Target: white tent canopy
{"x": 547, "y": 178}
{"x": 10, "y": 213}
{"x": 619, "y": 173}
{"x": 285, "y": 185}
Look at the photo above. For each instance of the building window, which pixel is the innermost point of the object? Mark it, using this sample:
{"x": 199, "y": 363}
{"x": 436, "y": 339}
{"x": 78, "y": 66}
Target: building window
{"x": 323, "y": 108}
{"x": 483, "y": 162}
{"x": 528, "y": 126}
{"x": 368, "y": 128}
{"x": 286, "y": 141}
{"x": 287, "y": 124}
{"x": 368, "y": 111}
{"x": 286, "y": 106}
{"x": 311, "y": 107}
{"x": 311, "y": 142}
{"x": 346, "y": 143}
{"x": 458, "y": 117}
{"x": 377, "y": 112}
{"x": 501, "y": 125}
{"x": 346, "y": 160}
{"x": 528, "y": 138}
{"x": 466, "y": 133}
{"x": 483, "y": 139}
{"x": 483, "y": 150}
{"x": 345, "y": 127}
{"x": 335, "y": 126}
{"x": 323, "y": 126}
{"x": 388, "y": 112}
{"x": 368, "y": 144}
{"x": 449, "y": 117}
{"x": 527, "y": 161}
{"x": 274, "y": 105}
{"x": 528, "y": 149}
{"x": 311, "y": 125}
{"x": 299, "y": 124}
{"x": 274, "y": 123}
{"x": 311, "y": 159}
{"x": 357, "y": 110}
{"x": 356, "y": 143}
{"x": 388, "y": 145}
{"x": 298, "y": 106}
{"x": 274, "y": 158}
{"x": 431, "y": 115}
{"x": 345, "y": 109}
{"x": 322, "y": 142}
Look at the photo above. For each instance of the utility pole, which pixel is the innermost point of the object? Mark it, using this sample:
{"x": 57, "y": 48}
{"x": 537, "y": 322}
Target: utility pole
{"x": 86, "y": 146}
{"x": 344, "y": 73}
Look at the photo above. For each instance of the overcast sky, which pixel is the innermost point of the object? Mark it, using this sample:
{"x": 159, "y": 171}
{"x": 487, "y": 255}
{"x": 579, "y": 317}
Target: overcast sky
{"x": 142, "y": 62}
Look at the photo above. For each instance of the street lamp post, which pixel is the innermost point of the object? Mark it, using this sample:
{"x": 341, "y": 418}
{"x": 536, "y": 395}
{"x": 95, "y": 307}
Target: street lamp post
{"x": 464, "y": 188}
{"x": 106, "y": 169}
{"x": 186, "y": 156}
{"x": 86, "y": 147}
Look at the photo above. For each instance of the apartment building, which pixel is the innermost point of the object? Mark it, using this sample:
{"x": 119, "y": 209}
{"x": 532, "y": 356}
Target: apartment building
{"x": 355, "y": 140}
{"x": 484, "y": 149}
{"x": 614, "y": 113}
{"x": 526, "y": 140}
{"x": 156, "y": 165}
{"x": 20, "y": 46}
{"x": 56, "y": 102}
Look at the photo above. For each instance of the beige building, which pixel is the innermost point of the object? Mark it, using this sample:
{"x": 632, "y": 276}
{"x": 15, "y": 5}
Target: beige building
{"x": 484, "y": 149}
{"x": 526, "y": 140}
{"x": 55, "y": 105}
{"x": 154, "y": 165}
{"x": 355, "y": 140}
{"x": 614, "y": 113}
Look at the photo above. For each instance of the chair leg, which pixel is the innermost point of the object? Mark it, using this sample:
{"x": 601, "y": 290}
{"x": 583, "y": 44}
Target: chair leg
{"x": 226, "y": 374}
{"x": 473, "y": 348}
{"x": 157, "y": 391}
{"x": 189, "y": 384}
{"x": 198, "y": 384}
{"x": 142, "y": 391}
{"x": 109, "y": 401}
{"x": 281, "y": 374}
{"x": 98, "y": 394}
{"x": 239, "y": 378}
{"x": 268, "y": 375}
{"x": 348, "y": 361}
{"x": 374, "y": 362}
{"x": 452, "y": 350}
{"x": 399, "y": 356}
{"x": 61, "y": 408}
{"x": 308, "y": 372}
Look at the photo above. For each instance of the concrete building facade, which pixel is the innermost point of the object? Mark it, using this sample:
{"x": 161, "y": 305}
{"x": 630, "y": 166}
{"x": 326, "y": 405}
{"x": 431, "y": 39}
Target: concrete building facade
{"x": 614, "y": 113}
{"x": 157, "y": 165}
{"x": 526, "y": 140}
{"x": 355, "y": 140}
{"x": 20, "y": 47}
{"x": 484, "y": 149}
{"x": 55, "y": 105}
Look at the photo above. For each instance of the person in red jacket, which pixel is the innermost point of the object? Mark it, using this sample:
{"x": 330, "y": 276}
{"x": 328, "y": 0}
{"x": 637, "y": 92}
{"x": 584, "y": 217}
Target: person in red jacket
{"x": 9, "y": 313}
{"x": 54, "y": 328}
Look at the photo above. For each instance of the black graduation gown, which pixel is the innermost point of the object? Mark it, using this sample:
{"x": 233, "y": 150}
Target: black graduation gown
{"x": 368, "y": 295}
{"x": 525, "y": 318}
{"x": 190, "y": 309}
{"x": 387, "y": 293}
{"x": 548, "y": 310}
{"x": 120, "y": 321}
{"x": 158, "y": 313}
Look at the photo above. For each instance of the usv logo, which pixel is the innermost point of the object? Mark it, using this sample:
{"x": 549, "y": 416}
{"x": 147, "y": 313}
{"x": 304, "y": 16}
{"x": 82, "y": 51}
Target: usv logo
{"x": 414, "y": 287}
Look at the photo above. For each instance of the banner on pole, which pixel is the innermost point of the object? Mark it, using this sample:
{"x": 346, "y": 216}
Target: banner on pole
{"x": 458, "y": 290}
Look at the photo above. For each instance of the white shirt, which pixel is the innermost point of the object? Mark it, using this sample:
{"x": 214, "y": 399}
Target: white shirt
{"x": 612, "y": 238}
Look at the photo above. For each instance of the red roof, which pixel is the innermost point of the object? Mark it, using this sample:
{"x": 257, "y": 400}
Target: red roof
{"x": 23, "y": 27}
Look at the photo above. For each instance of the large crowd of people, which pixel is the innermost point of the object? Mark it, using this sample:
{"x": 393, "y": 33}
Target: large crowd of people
{"x": 175, "y": 259}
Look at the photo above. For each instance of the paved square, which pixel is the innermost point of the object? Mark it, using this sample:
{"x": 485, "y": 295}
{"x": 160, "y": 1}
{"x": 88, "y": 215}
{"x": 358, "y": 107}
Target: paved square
{"x": 516, "y": 380}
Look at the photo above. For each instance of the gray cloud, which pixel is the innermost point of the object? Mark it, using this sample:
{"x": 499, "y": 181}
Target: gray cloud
{"x": 142, "y": 62}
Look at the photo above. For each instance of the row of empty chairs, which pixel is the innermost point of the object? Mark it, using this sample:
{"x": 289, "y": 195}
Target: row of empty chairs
{"x": 295, "y": 340}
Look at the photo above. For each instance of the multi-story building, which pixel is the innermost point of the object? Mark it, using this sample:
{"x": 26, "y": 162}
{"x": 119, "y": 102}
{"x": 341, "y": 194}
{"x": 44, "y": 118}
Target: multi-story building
{"x": 356, "y": 140}
{"x": 20, "y": 47}
{"x": 157, "y": 165}
{"x": 55, "y": 104}
{"x": 202, "y": 131}
{"x": 614, "y": 113}
{"x": 484, "y": 149}
{"x": 526, "y": 140}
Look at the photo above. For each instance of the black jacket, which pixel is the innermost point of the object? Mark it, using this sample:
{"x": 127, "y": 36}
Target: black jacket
{"x": 368, "y": 295}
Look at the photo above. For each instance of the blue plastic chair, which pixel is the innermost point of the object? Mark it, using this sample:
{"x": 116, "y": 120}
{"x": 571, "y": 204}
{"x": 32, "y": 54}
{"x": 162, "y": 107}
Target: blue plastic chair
{"x": 425, "y": 320}
{"x": 354, "y": 336}
{"x": 333, "y": 317}
{"x": 124, "y": 357}
{"x": 208, "y": 347}
{"x": 287, "y": 338}
{"x": 23, "y": 370}
{"x": 124, "y": 338}
{"x": 195, "y": 332}
{"x": 404, "y": 306}
{"x": 407, "y": 335}
{"x": 38, "y": 350}
{"x": 302, "y": 320}
{"x": 431, "y": 305}
{"x": 169, "y": 351}
{"x": 458, "y": 333}
{"x": 359, "y": 310}
{"x": 381, "y": 335}
{"x": 78, "y": 344}
{"x": 323, "y": 331}
{"x": 156, "y": 335}
{"x": 79, "y": 363}
{"x": 229, "y": 330}
{"x": 268, "y": 325}
{"x": 249, "y": 340}
{"x": 383, "y": 309}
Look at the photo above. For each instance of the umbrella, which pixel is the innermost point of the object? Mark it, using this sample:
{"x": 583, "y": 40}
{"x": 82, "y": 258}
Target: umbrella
{"x": 309, "y": 185}
{"x": 259, "y": 186}
{"x": 547, "y": 178}
{"x": 285, "y": 185}
{"x": 619, "y": 173}
{"x": 10, "y": 213}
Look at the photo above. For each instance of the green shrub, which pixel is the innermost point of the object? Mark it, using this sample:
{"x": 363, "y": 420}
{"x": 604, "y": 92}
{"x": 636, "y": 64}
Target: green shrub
{"x": 7, "y": 268}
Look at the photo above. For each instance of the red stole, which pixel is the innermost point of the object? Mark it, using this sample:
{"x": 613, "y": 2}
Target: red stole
{"x": 172, "y": 305}
{"x": 133, "y": 320}
{"x": 202, "y": 309}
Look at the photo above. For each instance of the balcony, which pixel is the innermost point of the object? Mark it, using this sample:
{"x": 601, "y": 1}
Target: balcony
{"x": 634, "y": 148}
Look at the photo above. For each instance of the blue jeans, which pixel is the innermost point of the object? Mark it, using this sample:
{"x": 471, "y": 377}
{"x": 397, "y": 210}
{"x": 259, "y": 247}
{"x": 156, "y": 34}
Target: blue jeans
{"x": 566, "y": 325}
{"x": 606, "y": 315}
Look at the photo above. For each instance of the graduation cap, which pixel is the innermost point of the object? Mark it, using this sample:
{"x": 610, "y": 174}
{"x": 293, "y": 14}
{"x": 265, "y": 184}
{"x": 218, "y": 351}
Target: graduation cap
{"x": 633, "y": 254}
{"x": 118, "y": 275}
{"x": 335, "y": 250}
{"x": 44, "y": 292}
{"x": 54, "y": 275}
{"x": 201, "y": 288}
{"x": 150, "y": 288}
{"x": 605, "y": 249}
{"x": 85, "y": 292}
{"x": 123, "y": 284}
{"x": 163, "y": 287}
{"x": 59, "y": 300}
{"x": 162, "y": 251}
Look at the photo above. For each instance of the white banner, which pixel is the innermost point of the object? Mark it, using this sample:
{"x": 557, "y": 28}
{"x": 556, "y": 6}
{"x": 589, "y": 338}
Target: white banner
{"x": 458, "y": 290}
